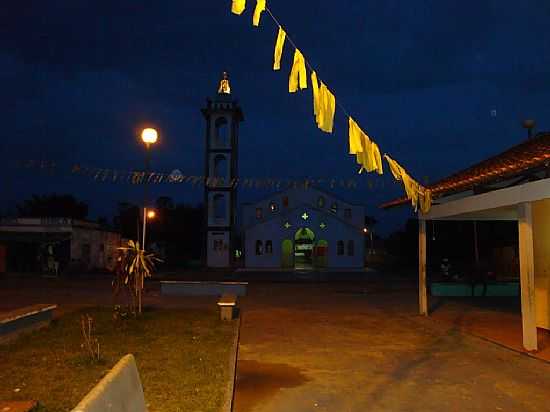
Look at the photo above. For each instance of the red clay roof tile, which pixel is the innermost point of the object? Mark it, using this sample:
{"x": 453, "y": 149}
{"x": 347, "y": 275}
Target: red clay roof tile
{"x": 528, "y": 155}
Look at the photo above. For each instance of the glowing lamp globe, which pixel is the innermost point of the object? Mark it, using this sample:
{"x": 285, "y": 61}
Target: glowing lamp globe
{"x": 149, "y": 136}
{"x": 151, "y": 214}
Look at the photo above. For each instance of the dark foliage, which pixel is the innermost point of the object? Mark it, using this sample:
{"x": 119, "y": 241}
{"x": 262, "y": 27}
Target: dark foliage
{"x": 127, "y": 221}
{"x": 53, "y": 205}
{"x": 454, "y": 241}
{"x": 176, "y": 228}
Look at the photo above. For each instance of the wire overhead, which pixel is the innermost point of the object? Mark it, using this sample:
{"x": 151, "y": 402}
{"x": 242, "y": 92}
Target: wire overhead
{"x": 366, "y": 151}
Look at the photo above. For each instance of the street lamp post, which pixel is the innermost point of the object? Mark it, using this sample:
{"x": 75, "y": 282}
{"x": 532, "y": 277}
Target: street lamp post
{"x": 149, "y": 136}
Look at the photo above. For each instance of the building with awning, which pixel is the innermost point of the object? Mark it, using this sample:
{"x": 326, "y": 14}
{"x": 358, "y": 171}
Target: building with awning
{"x": 29, "y": 244}
{"x": 512, "y": 186}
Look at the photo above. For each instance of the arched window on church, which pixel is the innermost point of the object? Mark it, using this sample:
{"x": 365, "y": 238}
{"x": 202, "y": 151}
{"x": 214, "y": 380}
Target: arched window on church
{"x": 220, "y": 168}
{"x": 351, "y": 248}
{"x": 321, "y": 202}
{"x": 259, "y": 248}
{"x": 220, "y": 210}
{"x": 222, "y": 132}
{"x": 340, "y": 248}
{"x": 347, "y": 213}
{"x": 268, "y": 247}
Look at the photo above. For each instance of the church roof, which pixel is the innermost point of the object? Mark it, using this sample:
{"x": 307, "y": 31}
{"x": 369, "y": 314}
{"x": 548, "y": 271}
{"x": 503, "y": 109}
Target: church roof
{"x": 289, "y": 211}
{"x": 289, "y": 189}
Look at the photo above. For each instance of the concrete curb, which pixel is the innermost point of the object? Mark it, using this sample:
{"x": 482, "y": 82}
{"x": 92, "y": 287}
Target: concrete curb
{"x": 230, "y": 389}
{"x": 198, "y": 288}
{"x": 24, "y": 320}
{"x": 119, "y": 390}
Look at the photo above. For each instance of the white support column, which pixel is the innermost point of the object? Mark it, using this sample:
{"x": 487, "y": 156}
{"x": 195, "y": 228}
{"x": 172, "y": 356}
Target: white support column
{"x": 422, "y": 294}
{"x": 527, "y": 276}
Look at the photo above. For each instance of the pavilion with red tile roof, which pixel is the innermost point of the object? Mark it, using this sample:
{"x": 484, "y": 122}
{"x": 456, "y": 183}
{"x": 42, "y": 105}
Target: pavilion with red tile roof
{"x": 511, "y": 186}
{"x": 526, "y": 160}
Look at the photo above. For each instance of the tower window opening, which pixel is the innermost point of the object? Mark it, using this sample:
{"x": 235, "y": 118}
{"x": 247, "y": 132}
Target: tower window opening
{"x": 222, "y": 132}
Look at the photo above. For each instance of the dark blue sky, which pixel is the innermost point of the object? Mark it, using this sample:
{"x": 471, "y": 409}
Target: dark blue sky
{"x": 79, "y": 78}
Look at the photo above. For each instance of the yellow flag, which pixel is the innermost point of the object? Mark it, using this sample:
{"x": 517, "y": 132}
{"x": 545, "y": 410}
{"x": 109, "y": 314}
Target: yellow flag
{"x": 298, "y": 73}
{"x": 354, "y": 137}
{"x": 395, "y": 168}
{"x": 260, "y": 8}
{"x": 326, "y": 109}
{"x": 377, "y": 159}
{"x": 238, "y": 6}
{"x": 366, "y": 151}
{"x": 425, "y": 200}
{"x": 364, "y": 157}
{"x": 369, "y": 157}
{"x": 281, "y": 37}
{"x": 315, "y": 87}
{"x": 412, "y": 188}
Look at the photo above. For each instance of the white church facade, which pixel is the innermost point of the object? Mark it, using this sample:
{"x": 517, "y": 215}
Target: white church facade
{"x": 303, "y": 229}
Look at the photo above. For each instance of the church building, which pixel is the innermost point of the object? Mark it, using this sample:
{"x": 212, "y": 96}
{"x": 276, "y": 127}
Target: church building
{"x": 300, "y": 228}
{"x": 303, "y": 229}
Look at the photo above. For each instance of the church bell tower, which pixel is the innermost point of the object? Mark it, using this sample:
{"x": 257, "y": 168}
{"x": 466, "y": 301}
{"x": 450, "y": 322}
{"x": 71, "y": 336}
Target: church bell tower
{"x": 223, "y": 115}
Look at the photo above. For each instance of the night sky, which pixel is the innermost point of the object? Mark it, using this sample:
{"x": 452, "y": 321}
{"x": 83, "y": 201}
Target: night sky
{"x": 438, "y": 84}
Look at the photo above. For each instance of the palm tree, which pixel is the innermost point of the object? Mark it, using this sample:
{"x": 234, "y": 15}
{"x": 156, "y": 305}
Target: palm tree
{"x": 137, "y": 265}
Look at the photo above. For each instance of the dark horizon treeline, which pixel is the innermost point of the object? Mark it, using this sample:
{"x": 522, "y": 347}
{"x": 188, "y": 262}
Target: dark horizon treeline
{"x": 176, "y": 228}
{"x": 455, "y": 240}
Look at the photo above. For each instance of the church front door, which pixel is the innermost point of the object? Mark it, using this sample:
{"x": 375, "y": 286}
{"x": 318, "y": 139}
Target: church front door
{"x": 287, "y": 254}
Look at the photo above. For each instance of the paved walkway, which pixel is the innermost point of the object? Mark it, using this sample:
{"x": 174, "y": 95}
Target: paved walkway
{"x": 495, "y": 319}
{"x": 361, "y": 347}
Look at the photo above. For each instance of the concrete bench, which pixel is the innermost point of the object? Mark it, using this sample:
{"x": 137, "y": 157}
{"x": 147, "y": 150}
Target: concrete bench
{"x": 23, "y": 320}
{"x": 119, "y": 391}
{"x": 228, "y": 306}
{"x": 186, "y": 288}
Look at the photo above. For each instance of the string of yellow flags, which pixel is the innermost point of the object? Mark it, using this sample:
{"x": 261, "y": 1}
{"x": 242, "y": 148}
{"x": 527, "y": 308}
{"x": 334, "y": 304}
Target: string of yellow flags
{"x": 366, "y": 151}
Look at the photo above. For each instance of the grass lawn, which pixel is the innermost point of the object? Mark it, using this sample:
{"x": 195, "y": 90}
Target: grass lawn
{"x": 182, "y": 357}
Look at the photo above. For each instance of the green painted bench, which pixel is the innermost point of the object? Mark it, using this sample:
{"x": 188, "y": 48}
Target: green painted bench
{"x": 478, "y": 289}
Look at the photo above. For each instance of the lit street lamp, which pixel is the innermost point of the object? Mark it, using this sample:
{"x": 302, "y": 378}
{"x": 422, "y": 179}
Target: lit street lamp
{"x": 149, "y": 136}
{"x": 370, "y": 233}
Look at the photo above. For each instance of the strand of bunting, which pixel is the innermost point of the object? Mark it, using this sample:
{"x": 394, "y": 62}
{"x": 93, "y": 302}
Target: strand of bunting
{"x": 138, "y": 177}
{"x": 365, "y": 150}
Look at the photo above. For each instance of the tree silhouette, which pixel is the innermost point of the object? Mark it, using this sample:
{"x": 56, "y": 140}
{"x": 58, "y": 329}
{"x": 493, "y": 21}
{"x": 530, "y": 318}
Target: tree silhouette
{"x": 53, "y": 205}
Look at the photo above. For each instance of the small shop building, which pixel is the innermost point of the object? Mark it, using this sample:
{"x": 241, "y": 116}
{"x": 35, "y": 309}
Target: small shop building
{"x": 55, "y": 245}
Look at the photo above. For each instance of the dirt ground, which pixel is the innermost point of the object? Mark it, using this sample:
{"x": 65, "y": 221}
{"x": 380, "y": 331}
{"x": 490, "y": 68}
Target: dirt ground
{"x": 93, "y": 290}
{"x": 353, "y": 345}
{"x": 361, "y": 347}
